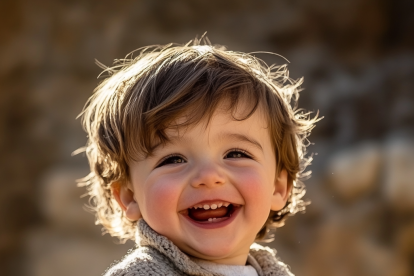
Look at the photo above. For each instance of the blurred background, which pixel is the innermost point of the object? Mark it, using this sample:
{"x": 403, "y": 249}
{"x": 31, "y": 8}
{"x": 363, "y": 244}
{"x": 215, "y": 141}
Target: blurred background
{"x": 357, "y": 57}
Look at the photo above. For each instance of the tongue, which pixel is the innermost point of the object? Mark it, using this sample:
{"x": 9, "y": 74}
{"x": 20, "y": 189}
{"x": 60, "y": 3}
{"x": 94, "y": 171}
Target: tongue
{"x": 201, "y": 214}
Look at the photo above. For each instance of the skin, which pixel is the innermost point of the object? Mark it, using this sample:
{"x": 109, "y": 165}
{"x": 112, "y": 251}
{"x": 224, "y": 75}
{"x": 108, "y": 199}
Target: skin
{"x": 228, "y": 160}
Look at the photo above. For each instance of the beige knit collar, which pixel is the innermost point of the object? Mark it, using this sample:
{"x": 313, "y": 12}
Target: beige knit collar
{"x": 264, "y": 256}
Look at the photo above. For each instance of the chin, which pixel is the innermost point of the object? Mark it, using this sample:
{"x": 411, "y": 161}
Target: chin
{"x": 214, "y": 250}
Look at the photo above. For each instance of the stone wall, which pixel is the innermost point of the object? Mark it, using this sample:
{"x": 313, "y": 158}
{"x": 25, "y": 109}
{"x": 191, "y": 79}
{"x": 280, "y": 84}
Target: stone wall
{"x": 357, "y": 58}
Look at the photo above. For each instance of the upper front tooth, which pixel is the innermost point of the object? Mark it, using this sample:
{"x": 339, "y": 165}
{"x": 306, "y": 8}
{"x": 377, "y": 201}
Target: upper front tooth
{"x": 213, "y": 206}
{"x": 206, "y": 207}
{"x": 220, "y": 204}
{"x": 226, "y": 204}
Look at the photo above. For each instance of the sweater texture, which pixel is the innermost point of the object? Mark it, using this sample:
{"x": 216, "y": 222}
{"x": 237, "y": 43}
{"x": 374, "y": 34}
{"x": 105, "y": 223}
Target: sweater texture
{"x": 157, "y": 255}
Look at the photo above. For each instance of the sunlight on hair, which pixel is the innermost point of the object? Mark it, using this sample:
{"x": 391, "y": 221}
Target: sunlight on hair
{"x": 142, "y": 95}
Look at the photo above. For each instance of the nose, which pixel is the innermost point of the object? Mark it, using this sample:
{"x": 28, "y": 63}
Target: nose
{"x": 207, "y": 174}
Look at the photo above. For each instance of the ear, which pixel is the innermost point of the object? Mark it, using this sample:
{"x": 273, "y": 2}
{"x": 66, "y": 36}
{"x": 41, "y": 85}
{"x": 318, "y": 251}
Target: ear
{"x": 125, "y": 198}
{"x": 283, "y": 187}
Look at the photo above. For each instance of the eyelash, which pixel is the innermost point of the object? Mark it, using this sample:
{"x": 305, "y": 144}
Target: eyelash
{"x": 162, "y": 161}
{"x": 245, "y": 152}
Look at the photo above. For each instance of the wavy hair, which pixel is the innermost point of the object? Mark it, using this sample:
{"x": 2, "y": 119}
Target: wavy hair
{"x": 141, "y": 96}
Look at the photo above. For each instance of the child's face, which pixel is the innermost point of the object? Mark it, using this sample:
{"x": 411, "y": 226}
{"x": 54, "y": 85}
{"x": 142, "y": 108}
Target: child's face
{"x": 227, "y": 162}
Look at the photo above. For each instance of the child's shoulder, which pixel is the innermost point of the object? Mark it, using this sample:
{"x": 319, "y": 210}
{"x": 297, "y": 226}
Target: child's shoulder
{"x": 157, "y": 255}
{"x": 268, "y": 261}
{"x": 144, "y": 260}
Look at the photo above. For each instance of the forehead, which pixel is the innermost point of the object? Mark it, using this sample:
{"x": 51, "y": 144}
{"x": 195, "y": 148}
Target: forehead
{"x": 223, "y": 124}
{"x": 225, "y": 112}
{"x": 238, "y": 112}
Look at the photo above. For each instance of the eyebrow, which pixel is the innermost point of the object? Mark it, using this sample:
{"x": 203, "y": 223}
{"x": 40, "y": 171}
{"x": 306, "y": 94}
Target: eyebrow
{"x": 171, "y": 139}
{"x": 241, "y": 137}
{"x": 221, "y": 136}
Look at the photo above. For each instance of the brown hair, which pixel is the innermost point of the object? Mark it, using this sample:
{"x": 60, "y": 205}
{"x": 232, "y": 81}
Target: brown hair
{"x": 143, "y": 95}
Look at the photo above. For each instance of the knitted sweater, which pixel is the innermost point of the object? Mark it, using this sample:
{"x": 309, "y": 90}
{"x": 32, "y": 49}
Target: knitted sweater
{"x": 157, "y": 255}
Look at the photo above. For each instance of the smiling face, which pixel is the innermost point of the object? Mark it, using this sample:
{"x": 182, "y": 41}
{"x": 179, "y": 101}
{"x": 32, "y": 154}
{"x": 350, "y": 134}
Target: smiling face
{"x": 210, "y": 189}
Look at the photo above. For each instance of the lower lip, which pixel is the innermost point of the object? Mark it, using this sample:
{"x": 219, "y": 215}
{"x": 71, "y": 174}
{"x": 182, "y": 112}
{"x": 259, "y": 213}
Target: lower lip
{"x": 214, "y": 225}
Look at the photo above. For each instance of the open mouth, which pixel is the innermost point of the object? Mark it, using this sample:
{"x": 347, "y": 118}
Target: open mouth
{"x": 211, "y": 213}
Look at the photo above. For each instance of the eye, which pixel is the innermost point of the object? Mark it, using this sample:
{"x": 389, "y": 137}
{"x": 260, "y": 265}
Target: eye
{"x": 171, "y": 159}
{"x": 237, "y": 153}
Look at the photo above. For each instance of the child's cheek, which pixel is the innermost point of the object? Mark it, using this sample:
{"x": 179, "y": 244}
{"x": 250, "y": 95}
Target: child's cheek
{"x": 254, "y": 186}
{"x": 162, "y": 193}
{"x": 250, "y": 179}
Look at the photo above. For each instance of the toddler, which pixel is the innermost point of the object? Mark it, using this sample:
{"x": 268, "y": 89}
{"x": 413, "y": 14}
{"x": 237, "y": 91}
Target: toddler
{"x": 195, "y": 153}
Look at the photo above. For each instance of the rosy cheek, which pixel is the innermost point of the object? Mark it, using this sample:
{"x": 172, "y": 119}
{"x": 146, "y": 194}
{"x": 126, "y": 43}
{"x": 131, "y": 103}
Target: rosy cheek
{"x": 250, "y": 181}
{"x": 254, "y": 187}
{"x": 162, "y": 194}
